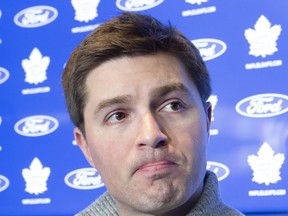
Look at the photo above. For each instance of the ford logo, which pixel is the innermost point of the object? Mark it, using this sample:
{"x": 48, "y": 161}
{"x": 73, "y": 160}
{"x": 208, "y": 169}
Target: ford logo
{"x": 36, "y": 16}
{"x": 4, "y": 183}
{"x": 263, "y": 105}
{"x": 33, "y": 126}
{"x": 219, "y": 169}
{"x": 210, "y": 48}
{"x": 4, "y": 75}
{"x": 84, "y": 179}
{"x": 137, "y": 5}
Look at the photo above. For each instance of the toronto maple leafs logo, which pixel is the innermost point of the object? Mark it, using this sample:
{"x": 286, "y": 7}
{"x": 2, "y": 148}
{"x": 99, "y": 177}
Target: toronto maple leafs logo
{"x": 265, "y": 165}
{"x": 199, "y": 2}
{"x": 35, "y": 67}
{"x": 263, "y": 38}
{"x": 85, "y": 10}
{"x": 36, "y": 177}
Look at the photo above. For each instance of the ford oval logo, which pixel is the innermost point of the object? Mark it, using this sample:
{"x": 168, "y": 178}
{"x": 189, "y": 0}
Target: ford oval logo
{"x": 33, "y": 126}
{"x": 219, "y": 169}
{"x": 263, "y": 105}
{"x": 36, "y": 16}
{"x": 210, "y": 48}
{"x": 84, "y": 179}
{"x": 4, "y": 75}
{"x": 4, "y": 183}
{"x": 137, "y": 5}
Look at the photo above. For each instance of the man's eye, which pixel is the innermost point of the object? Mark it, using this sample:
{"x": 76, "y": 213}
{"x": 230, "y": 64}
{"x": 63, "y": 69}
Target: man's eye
{"x": 173, "y": 107}
{"x": 116, "y": 117}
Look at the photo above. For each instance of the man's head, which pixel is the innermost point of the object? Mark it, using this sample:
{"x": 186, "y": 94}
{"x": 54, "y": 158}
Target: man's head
{"x": 137, "y": 92}
{"x": 128, "y": 35}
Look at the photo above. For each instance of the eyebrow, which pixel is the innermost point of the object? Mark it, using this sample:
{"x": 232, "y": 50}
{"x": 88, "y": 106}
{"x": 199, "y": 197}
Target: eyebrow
{"x": 123, "y": 99}
{"x": 167, "y": 89}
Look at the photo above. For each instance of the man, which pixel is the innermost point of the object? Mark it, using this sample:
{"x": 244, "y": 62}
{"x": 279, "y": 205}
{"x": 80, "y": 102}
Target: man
{"x": 136, "y": 91}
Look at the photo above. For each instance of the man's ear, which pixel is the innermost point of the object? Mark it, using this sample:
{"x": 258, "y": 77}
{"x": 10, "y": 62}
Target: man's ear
{"x": 82, "y": 143}
{"x": 209, "y": 114}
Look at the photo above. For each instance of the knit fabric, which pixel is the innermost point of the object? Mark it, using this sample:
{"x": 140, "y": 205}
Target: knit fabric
{"x": 209, "y": 203}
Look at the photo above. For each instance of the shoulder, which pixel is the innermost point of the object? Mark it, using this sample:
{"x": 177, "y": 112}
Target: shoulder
{"x": 210, "y": 202}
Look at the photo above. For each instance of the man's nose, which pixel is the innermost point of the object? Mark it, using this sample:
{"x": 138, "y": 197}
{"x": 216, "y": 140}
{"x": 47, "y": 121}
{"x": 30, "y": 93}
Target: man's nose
{"x": 150, "y": 132}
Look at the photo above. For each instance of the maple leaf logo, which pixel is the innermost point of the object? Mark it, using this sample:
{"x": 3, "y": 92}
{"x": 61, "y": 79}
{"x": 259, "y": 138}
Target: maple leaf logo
{"x": 199, "y": 2}
{"x": 85, "y": 10}
{"x": 35, "y": 67}
{"x": 36, "y": 177}
{"x": 263, "y": 38}
{"x": 265, "y": 165}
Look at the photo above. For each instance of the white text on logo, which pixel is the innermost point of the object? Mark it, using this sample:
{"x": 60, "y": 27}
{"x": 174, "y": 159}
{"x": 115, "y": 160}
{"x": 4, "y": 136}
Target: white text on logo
{"x": 36, "y": 126}
{"x": 210, "y": 48}
{"x": 84, "y": 179}
{"x": 263, "y": 105}
{"x": 36, "y": 16}
{"x": 137, "y": 5}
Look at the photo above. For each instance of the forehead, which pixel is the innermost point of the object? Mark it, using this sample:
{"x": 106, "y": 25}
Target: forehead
{"x": 131, "y": 75}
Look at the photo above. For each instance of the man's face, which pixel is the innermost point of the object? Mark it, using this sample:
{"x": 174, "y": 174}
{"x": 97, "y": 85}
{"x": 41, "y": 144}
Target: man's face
{"x": 146, "y": 132}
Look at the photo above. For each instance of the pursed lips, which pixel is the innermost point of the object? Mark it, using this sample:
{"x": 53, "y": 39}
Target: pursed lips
{"x": 157, "y": 166}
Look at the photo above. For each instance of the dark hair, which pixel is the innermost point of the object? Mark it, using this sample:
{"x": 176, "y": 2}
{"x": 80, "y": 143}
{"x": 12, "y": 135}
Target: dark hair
{"x": 129, "y": 34}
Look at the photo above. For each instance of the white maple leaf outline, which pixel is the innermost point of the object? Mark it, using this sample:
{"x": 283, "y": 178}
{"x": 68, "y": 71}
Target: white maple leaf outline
{"x": 263, "y": 39}
{"x": 36, "y": 177}
{"x": 35, "y": 67}
{"x": 266, "y": 166}
{"x": 85, "y": 11}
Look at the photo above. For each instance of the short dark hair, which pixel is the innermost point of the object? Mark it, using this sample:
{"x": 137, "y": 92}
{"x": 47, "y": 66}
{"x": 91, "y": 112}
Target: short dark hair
{"x": 129, "y": 34}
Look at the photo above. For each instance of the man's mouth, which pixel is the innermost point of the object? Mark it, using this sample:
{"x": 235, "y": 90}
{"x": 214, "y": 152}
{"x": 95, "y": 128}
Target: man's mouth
{"x": 162, "y": 166}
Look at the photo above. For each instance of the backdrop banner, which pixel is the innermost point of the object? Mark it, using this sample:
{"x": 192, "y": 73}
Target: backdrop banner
{"x": 245, "y": 46}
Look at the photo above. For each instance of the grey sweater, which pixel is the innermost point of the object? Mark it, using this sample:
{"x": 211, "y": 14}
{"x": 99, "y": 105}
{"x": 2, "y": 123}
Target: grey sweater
{"x": 209, "y": 203}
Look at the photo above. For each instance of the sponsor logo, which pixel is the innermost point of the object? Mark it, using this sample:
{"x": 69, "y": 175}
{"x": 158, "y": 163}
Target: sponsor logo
{"x": 4, "y": 75}
{"x": 84, "y": 179}
{"x": 199, "y": 2}
{"x": 199, "y": 10}
{"x": 36, "y": 177}
{"x": 38, "y": 125}
{"x": 36, "y": 16}
{"x": 219, "y": 169}
{"x": 210, "y": 48}
{"x": 4, "y": 183}
{"x": 35, "y": 67}
{"x": 87, "y": 28}
{"x": 137, "y": 5}
{"x": 263, "y": 105}
{"x": 273, "y": 192}
{"x": 263, "y": 64}
{"x": 85, "y": 10}
{"x": 266, "y": 165}
{"x": 263, "y": 38}
{"x": 263, "y": 42}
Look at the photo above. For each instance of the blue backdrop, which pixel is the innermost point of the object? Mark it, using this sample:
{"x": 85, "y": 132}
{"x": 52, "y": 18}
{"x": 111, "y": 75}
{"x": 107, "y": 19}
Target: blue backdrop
{"x": 244, "y": 44}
